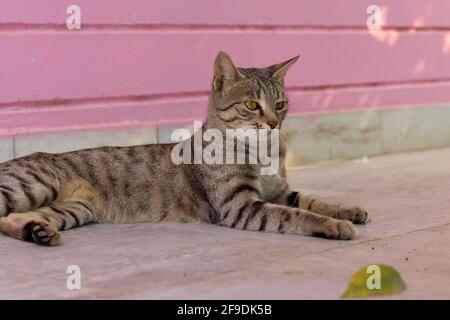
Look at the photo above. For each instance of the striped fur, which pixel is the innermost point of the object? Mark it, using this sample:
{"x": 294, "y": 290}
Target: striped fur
{"x": 43, "y": 194}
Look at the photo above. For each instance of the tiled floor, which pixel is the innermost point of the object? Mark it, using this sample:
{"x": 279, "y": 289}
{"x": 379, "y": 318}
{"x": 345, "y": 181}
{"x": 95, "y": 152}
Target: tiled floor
{"x": 408, "y": 196}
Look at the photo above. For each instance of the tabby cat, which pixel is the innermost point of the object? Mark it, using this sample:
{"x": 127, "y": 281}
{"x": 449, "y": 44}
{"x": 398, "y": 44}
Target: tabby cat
{"x": 43, "y": 194}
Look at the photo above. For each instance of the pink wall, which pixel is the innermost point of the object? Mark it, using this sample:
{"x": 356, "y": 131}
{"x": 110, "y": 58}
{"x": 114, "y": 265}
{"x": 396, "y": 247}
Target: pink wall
{"x": 141, "y": 62}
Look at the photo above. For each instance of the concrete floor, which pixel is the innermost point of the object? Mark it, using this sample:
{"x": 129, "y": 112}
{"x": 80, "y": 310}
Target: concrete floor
{"x": 407, "y": 195}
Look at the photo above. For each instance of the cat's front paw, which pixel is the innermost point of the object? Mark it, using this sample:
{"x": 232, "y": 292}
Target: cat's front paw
{"x": 338, "y": 230}
{"x": 354, "y": 214}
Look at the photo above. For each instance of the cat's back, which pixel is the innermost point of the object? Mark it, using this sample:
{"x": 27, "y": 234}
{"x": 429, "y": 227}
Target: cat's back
{"x": 106, "y": 167}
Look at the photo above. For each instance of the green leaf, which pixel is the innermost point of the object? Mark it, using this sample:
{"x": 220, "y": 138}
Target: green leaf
{"x": 375, "y": 280}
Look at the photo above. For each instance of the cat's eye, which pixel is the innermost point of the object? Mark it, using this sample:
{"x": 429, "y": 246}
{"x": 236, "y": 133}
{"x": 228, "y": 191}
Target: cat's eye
{"x": 251, "y": 105}
{"x": 280, "y": 105}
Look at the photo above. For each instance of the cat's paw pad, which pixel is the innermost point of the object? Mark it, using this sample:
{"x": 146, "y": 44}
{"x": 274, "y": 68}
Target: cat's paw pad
{"x": 44, "y": 234}
{"x": 338, "y": 230}
{"x": 354, "y": 214}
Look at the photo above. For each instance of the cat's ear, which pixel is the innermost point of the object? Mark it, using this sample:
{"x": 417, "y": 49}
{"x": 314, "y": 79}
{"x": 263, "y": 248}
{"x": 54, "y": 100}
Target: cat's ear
{"x": 278, "y": 71}
{"x": 225, "y": 72}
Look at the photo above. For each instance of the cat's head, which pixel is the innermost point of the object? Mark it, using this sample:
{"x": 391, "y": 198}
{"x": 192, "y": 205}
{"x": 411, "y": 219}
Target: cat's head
{"x": 247, "y": 98}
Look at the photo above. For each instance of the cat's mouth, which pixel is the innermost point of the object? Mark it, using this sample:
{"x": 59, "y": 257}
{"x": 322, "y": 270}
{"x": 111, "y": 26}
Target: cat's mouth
{"x": 258, "y": 126}
{"x": 254, "y": 126}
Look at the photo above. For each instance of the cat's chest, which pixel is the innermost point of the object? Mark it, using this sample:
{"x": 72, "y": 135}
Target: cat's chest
{"x": 272, "y": 186}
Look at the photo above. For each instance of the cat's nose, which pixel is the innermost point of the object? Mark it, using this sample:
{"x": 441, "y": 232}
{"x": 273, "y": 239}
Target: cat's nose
{"x": 272, "y": 123}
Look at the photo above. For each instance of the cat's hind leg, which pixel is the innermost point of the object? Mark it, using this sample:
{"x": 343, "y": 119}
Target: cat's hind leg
{"x": 78, "y": 204}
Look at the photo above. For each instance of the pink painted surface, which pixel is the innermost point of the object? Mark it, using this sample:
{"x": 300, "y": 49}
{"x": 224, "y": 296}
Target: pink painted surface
{"x": 120, "y": 113}
{"x": 139, "y": 63}
{"x": 79, "y": 66}
{"x": 349, "y": 13}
